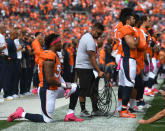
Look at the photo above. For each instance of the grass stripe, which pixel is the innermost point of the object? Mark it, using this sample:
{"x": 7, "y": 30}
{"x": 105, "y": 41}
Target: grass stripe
{"x": 157, "y": 105}
{"x": 4, "y": 124}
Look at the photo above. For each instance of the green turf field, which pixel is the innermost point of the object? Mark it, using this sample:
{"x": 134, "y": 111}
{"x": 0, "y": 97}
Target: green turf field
{"x": 157, "y": 105}
{"x": 4, "y": 124}
{"x": 90, "y": 124}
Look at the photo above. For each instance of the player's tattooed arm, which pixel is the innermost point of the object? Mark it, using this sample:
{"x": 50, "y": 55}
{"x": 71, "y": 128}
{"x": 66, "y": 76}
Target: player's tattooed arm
{"x": 49, "y": 73}
{"x": 131, "y": 41}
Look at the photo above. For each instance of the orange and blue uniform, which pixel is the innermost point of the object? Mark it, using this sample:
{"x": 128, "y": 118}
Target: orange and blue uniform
{"x": 126, "y": 51}
{"x": 50, "y": 56}
{"x": 127, "y": 72}
{"x": 140, "y": 51}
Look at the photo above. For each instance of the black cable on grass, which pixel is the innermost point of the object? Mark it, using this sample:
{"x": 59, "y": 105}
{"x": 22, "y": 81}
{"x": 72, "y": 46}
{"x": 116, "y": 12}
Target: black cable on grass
{"x": 105, "y": 96}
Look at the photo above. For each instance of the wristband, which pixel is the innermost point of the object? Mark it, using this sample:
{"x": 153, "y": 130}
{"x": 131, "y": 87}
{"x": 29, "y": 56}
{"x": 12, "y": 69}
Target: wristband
{"x": 63, "y": 85}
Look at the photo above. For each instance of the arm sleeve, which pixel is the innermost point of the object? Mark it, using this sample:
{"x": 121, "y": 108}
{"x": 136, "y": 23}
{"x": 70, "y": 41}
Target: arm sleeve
{"x": 91, "y": 46}
{"x": 61, "y": 79}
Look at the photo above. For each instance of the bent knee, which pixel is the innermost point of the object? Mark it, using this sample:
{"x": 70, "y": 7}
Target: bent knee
{"x": 48, "y": 120}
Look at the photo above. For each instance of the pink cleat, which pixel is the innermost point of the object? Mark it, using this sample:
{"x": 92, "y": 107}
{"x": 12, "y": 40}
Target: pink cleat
{"x": 155, "y": 90}
{"x": 146, "y": 90}
{"x": 17, "y": 114}
{"x": 72, "y": 117}
{"x": 150, "y": 93}
{"x": 35, "y": 91}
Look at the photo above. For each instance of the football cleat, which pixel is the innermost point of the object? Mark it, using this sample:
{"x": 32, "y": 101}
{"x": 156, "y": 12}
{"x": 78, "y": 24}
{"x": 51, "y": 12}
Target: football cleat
{"x": 150, "y": 93}
{"x": 85, "y": 113}
{"x": 127, "y": 114}
{"x": 16, "y": 115}
{"x": 155, "y": 90}
{"x": 72, "y": 117}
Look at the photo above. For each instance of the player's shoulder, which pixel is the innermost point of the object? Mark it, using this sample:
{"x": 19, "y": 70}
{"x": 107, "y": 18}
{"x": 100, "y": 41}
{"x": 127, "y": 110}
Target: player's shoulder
{"x": 126, "y": 30}
{"x": 87, "y": 36}
{"x": 119, "y": 25}
{"x": 48, "y": 55}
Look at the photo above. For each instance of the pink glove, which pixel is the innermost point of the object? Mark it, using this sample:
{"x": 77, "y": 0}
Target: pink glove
{"x": 118, "y": 66}
{"x": 151, "y": 67}
{"x": 158, "y": 64}
{"x": 146, "y": 69}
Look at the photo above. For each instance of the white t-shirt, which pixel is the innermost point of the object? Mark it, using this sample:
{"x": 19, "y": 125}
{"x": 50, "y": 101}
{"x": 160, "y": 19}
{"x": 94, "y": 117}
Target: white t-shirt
{"x": 18, "y": 45}
{"x": 2, "y": 44}
{"x": 86, "y": 43}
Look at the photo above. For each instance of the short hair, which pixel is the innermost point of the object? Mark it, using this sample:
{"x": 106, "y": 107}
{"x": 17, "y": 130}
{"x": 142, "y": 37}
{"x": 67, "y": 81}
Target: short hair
{"x": 137, "y": 19}
{"x": 64, "y": 45}
{"x": 143, "y": 18}
{"x": 151, "y": 32}
{"x": 125, "y": 15}
{"x": 37, "y": 33}
{"x": 50, "y": 38}
{"x": 99, "y": 26}
{"x": 24, "y": 33}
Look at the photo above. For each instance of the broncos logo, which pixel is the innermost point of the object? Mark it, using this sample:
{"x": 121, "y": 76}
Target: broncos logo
{"x": 57, "y": 74}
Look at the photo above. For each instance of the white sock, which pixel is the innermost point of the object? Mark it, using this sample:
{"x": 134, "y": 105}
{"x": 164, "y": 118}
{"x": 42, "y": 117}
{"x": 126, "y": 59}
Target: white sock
{"x": 119, "y": 105}
{"x": 153, "y": 86}
{"x": 70, "y": 111}
{"x": 149, "y": 90}
{"x": 23, "y": 114}
{"x": 132, "y": 103}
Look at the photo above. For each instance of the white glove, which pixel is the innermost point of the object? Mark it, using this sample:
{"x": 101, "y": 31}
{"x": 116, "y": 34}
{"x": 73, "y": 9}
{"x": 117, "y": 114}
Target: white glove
{"x": 74, "y": 87}
{"x": 63, "y": 85}
{"x": 66, "y": 85}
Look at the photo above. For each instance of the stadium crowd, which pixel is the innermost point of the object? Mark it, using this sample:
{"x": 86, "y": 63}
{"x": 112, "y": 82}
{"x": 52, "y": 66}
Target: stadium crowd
{"x": 26, "y": 23}
{"x": 48, "y": 15}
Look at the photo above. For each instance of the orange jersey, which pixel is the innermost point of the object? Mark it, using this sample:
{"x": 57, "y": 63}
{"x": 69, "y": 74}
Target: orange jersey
{"x": 162, "y": 57}
{"x": 116, "y": 38}
{"x": 156, "y": 55}
{"x": 70, "y": 50}
{"x": 102, "y": 56}
{"x": 147, "y": 38}
{"x": 141, "y": 48}
{"x": 49, "y": 55}
{"x": 126, "y": 51}
{"x": 111, "y": 63}
{"x": 140, "y": 52}
{"x": 37, "y": 50}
